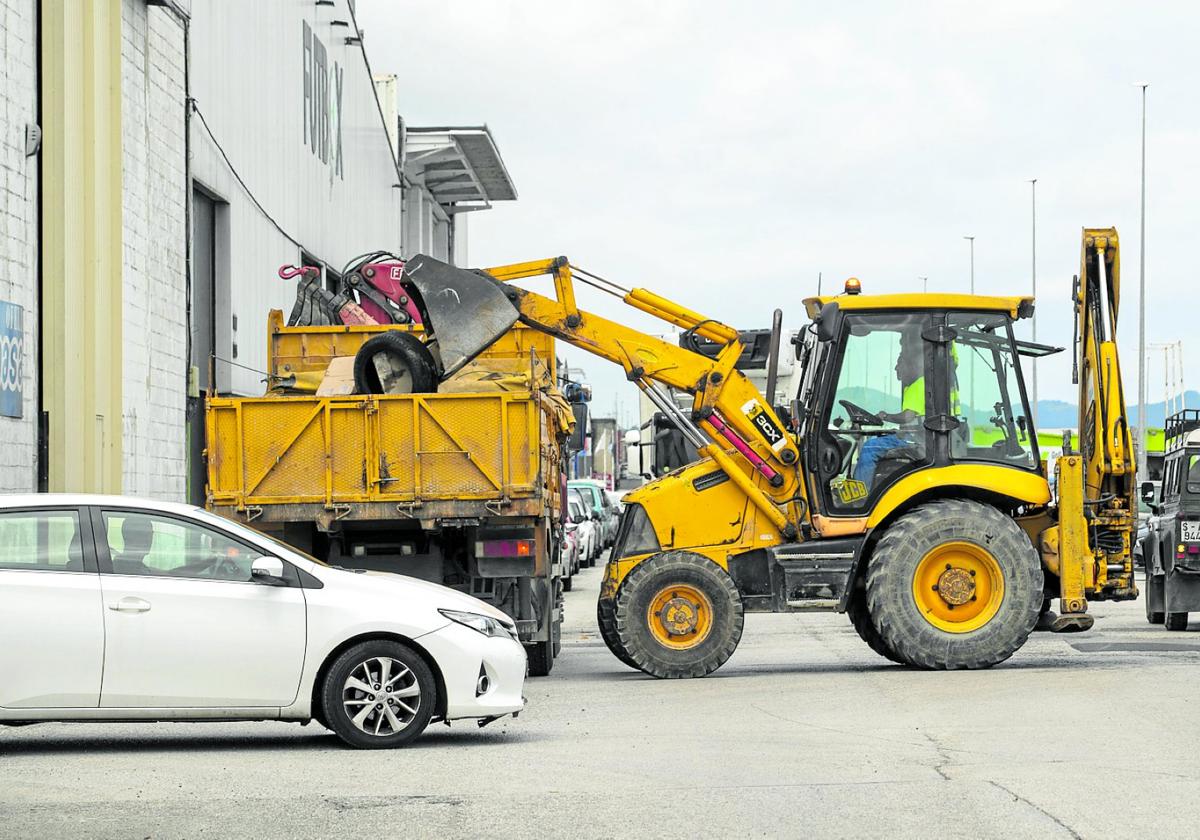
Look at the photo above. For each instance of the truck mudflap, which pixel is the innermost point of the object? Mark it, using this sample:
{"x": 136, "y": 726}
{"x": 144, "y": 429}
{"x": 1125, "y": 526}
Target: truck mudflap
{"x": 472, "y": 305}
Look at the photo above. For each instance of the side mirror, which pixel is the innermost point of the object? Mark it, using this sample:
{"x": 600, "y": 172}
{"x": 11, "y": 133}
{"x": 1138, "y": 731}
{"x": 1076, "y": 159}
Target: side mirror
{"x": 828, "y": 321}
{"x": 1148, "y": 492}
{"x": 268, "y": 570}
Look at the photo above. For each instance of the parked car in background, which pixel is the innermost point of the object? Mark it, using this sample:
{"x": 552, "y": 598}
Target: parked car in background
{"x": 596, "y": 494}
{"x": 128, "y": 609}
{"x": 587, "y": 527}
{"x": 571, "y": 551}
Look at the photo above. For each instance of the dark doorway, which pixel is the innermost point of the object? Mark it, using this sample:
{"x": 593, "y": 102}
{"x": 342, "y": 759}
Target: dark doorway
{"x": 203, "y": 335}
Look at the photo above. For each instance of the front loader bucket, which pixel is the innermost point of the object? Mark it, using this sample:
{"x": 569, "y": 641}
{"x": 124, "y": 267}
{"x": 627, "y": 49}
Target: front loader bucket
{"x": 467, "y": 310}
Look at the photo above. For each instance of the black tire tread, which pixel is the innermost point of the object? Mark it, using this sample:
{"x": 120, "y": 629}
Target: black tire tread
{"x": 889, "y": 586}
{"x": 1175, "y": 621}
{"x": 606, "y": 620}
{"x": 860, "y": 620}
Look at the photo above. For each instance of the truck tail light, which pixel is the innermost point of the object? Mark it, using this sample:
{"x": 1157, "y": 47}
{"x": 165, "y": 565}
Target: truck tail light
{"x": 504, "y": 548}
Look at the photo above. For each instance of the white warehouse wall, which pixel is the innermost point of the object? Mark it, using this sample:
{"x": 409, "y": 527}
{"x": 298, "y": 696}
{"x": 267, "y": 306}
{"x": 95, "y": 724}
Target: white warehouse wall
{"x": 18, "y": 235}
{"x": 259, "y": 119}
{"x": 154, "y": 207}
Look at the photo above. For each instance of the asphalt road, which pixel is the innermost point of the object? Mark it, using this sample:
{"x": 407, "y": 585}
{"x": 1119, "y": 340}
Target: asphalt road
{"x": 805, "y": 732}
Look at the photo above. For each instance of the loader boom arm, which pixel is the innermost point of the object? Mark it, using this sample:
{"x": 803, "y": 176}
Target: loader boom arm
{"x": 730, "y": 420}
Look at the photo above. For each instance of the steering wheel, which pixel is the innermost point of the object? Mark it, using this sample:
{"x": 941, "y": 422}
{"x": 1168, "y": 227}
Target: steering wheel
{"x": 859, "y": 416}
{"x": 226, "y": 568}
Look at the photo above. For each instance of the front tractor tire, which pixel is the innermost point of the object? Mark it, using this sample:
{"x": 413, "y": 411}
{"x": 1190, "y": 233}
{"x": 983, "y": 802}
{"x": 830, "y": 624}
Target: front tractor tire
{"x": 677, "y": 614}
{"x": 954, "y": 584}
{"x": 860, "y": 619}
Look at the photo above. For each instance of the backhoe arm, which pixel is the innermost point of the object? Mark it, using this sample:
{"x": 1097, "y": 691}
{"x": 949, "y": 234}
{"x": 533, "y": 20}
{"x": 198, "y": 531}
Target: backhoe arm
{"x": 1097, "y": 516}
{"x": 728, "y": 411}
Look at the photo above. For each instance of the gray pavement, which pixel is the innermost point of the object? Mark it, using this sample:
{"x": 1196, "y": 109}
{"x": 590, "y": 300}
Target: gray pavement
{"x": 805, "y": 732}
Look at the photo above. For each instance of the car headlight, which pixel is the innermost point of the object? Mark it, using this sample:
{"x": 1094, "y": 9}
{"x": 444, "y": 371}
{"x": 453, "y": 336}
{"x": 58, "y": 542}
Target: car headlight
{"x": 484, "y": 624}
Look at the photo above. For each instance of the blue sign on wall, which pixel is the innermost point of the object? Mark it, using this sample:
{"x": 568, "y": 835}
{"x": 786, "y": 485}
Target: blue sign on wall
{"x": 12, "y": 359}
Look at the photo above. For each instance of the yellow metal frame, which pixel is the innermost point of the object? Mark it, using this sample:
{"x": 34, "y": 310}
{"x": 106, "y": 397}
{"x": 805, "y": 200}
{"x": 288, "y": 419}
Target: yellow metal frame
{"x": 716, "y": 384}
{"x": 82, "y": 250}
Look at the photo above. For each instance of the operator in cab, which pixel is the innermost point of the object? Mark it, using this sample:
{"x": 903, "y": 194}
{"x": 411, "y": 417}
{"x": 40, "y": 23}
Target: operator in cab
{"x": 910, "y": 371}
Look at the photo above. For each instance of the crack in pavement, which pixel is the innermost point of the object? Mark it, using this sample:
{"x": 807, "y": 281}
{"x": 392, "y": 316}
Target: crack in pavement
{"x": 943, "y": 754}
{"x": 1018, "y": 798}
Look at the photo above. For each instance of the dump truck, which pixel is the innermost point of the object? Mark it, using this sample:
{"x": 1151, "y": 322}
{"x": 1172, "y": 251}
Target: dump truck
{"x": 902, "y": 485}
{"x": 463, "y": 487}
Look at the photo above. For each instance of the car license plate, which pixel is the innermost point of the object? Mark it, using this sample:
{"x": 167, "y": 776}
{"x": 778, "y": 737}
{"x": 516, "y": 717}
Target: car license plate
{"x": 1189, "y": 531}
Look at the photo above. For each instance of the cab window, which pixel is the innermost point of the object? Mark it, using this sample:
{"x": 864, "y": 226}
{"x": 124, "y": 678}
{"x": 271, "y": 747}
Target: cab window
{"x": 1193, "y": 473}
{"x": 986, "y": 394}
{"x": 874, "y": 430}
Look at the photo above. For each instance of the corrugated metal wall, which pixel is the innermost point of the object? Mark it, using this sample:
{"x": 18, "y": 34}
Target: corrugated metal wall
{"x": 293, "y": 106}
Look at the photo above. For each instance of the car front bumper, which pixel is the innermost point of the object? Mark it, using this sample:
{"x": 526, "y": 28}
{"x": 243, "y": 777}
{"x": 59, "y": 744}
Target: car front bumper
{"x": 463, "y": 655}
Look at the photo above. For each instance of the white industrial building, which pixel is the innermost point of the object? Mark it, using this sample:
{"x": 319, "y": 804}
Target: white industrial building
{"x": 243, "y": 141}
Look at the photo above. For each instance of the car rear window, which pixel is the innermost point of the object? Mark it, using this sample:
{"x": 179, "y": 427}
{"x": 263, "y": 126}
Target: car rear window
{"x": 47, "y": 540}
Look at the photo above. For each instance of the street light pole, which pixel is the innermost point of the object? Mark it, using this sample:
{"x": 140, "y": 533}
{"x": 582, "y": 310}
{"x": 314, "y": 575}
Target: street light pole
{"x": 924, "y": 283}
{"x": 1141, "y": 443}
{"x": 971, "y": 239}
{"x": 1033, "y": 258}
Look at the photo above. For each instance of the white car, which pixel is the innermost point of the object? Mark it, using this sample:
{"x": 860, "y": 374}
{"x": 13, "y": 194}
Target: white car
{"x": 114, "y": 608}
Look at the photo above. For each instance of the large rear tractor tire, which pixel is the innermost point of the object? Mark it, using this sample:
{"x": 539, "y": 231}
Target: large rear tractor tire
{"x": 860, "y": 618}
{"x": 954, "y": 584}
{"x": 678, "y": 614}
{"x": 606, "y": 619}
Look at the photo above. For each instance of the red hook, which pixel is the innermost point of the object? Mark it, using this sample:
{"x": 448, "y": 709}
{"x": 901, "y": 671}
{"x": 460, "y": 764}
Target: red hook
{"x": 287, "y": 272}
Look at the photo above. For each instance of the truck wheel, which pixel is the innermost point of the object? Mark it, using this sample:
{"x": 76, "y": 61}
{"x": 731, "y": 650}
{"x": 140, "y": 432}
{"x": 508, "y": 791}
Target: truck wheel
{"x": 678, "y": 614}
{"x": 567, "y": 582}
{"x": 606, "y": 618}
{"x": 394, "y": 362}
{"x": 541, "y": 658}
{"x": 954, "y": 584}
{"x": 1176, "y": 620}
{"x": 378, "y": 694}
{"x": 860, "y": 618}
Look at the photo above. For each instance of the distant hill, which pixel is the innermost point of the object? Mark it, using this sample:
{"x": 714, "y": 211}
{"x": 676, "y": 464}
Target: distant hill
{"x": 1058, "y": 414}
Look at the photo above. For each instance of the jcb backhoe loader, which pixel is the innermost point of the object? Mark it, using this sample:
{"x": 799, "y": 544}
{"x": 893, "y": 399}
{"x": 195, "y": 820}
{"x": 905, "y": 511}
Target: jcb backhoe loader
{"x": 904, "y": 485}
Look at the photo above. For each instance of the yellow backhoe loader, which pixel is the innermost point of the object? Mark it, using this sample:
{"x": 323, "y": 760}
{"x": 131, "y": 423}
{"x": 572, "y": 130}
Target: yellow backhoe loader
{"x": 903, "y": 485}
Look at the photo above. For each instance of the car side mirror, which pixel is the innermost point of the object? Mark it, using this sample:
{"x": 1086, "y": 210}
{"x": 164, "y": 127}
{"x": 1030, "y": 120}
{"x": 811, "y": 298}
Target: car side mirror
{"x": 1148, "y": 492}
{"x": 268, "y": 570}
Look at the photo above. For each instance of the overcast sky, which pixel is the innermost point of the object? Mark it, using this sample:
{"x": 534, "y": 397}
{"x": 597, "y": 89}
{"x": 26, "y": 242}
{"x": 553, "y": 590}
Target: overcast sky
{"x": 723, "y": 154}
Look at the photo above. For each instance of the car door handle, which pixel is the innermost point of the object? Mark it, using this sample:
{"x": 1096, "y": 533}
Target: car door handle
{"x": 130, "y": 605}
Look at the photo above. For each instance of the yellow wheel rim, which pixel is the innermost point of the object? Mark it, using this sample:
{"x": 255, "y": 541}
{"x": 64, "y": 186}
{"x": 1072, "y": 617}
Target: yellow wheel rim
{"x": 679, "y": 616}
{"x": 958, "y": 587}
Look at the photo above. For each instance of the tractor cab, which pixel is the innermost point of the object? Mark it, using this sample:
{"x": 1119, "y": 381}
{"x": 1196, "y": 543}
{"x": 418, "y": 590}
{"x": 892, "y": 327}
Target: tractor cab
{"x": 896, "y": 384}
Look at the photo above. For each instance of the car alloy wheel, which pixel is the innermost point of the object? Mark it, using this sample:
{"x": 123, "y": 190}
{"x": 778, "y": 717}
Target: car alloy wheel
{"x": 381, "y": 696}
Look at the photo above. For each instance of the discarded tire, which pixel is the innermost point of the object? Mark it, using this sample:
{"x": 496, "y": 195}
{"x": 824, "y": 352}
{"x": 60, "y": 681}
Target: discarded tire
{"x": 394, "y": 362}
{"x": 954, "y": 584}
{"x": 678, "y": 614}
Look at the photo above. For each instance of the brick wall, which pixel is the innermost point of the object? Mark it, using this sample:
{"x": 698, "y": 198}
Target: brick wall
{"x": 18, "y": 230}
{"x": 155, "y": 237}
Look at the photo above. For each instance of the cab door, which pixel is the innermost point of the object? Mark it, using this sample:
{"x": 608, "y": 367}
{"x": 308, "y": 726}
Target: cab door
{"x": 187, "y": 626}
{"x": 51, "y": 617}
